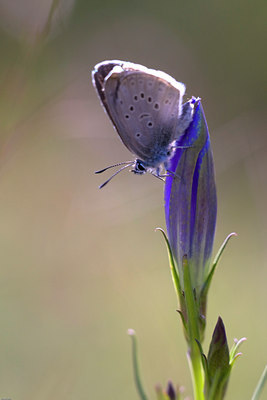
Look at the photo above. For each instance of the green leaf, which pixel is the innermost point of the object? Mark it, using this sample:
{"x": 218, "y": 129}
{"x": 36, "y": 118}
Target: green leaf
{"x": 215, "y": 262}
{"x": 206, "y": 285}
{"x": 204, "y": 361}
{"x": 184, "y": 323}
{"x": 175, "y": 276}
{"x": 137, "y": 378}
{"x": 260, "y": 385}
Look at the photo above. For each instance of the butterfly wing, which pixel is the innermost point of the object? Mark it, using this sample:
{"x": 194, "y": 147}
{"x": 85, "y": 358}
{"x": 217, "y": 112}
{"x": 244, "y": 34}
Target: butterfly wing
{"x": 99, "y": 74}
{"x": 143, "y": 104}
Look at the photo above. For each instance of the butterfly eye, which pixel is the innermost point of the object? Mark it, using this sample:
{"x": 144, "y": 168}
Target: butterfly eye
{"x": 150, "y": 124}
{"x": 156, "y": 106}
{"x": 141, "y": 167}
{"x": 135, "y": 98}
{"x": 138, "y": 134}
{"x": 149, "y": 99}
{"x": 131, "y": 108}
{"x": 127, "y": 116}
{"x": 142, "y": 95}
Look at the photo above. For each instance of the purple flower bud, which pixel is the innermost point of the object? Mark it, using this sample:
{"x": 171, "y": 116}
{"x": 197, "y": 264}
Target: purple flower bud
{"x": 190, "y": 199}
{"x": 218, "y": 356}
{"x": 171, "y": 391}
{"x": 218, "y": 362}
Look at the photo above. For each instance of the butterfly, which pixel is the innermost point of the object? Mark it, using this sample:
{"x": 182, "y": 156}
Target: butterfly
{"x": 145, "y": 107}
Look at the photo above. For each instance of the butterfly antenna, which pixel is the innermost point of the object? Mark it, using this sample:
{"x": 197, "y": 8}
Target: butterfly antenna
{"x": 112, "y": 166}
{"x": 116, "y": 173}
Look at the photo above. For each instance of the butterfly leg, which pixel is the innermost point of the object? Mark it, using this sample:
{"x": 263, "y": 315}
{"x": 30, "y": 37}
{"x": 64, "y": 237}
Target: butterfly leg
{"x": 159, "y": 177}
{"x": 173, "y": 174}
{"x": 169, "y": 173}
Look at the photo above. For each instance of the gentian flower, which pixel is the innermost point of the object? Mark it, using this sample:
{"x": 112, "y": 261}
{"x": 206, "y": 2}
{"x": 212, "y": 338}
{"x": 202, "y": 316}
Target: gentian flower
{"x": 190, "y": 211}
{"x": 190, "y": 200}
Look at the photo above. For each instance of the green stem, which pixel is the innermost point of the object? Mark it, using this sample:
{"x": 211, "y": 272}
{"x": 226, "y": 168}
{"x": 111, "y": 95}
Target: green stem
{"x": 190, "y": 320}
{"x": 197, "y": 373}
{"x": 193, "y": 354}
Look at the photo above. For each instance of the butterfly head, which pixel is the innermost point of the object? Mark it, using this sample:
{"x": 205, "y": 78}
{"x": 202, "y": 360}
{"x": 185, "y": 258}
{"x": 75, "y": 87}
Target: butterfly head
{"x": 139, "y": 167}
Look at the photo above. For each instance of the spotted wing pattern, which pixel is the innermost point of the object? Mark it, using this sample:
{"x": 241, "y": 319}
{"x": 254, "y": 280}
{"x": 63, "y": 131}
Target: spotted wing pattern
{"x": 144, "y": 106}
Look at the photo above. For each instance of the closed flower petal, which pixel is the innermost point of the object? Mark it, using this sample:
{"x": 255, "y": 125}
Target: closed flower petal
{"x": 190, "y": 199}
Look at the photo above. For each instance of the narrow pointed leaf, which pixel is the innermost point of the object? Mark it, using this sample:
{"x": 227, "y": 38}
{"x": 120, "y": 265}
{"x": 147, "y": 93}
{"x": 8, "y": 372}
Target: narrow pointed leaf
{"x": 259, "y": 388}
{"x": 183, "y": 322}
{"x": 215, "y": 262}
{"x": 137, "y": 377}
{"x": 204, "y": 360}
{"x": 174, "y": 273}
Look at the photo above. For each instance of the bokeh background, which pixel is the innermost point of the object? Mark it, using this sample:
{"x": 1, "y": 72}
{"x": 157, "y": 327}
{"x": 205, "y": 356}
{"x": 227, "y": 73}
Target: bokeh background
{"x": 78, "y": 266}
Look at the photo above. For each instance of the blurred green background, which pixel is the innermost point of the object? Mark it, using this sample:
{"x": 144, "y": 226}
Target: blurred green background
{"x": 78, "y": 265}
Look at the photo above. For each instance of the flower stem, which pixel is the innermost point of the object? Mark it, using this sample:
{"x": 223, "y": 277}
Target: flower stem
{"x": 193, "y": 354}
{"x": 197, "y": 374}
